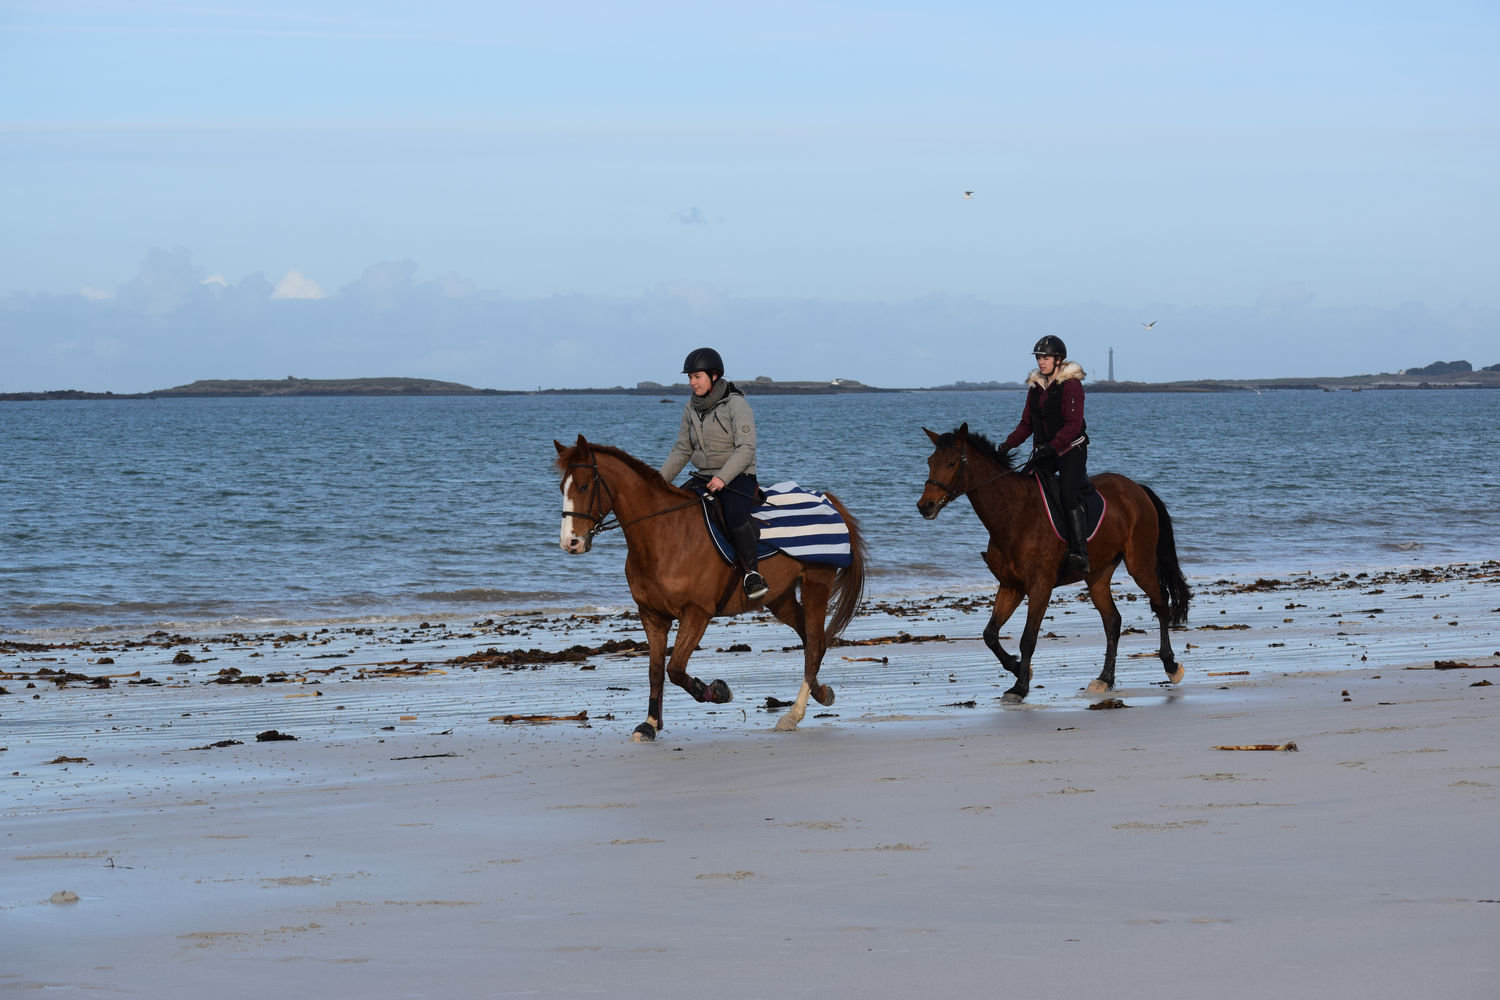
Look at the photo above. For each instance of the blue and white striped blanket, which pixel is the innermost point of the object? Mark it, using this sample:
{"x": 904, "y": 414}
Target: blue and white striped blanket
{"x": 803, "y": 524}
{"x": 800, "y": 522}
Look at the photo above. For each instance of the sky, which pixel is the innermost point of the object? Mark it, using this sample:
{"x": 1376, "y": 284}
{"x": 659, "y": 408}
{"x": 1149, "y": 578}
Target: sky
{"x": 530, "y": 195}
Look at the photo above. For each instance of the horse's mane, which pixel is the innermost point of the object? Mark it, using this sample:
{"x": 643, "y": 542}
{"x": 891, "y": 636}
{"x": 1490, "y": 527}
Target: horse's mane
{"x": 978, "y": 443}
{"x": 640, "y": 468}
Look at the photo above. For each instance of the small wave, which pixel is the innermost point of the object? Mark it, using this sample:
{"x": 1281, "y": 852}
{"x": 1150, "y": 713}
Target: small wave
{"x": 1401, "y": 546}
{"x": 123, "y": 608}
{"x": 489, "y": 595}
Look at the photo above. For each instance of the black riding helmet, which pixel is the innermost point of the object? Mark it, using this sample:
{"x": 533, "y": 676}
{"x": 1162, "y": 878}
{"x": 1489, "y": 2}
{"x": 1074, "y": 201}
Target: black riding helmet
{"x": 1050, "y": 345}
{"x": 704, "y": 359}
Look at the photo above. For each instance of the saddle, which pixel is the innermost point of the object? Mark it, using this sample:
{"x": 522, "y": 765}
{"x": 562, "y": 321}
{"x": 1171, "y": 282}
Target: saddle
{"x": 1093, "y": 506}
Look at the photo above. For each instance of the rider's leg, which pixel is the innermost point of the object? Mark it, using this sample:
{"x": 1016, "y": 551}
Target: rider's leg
{"x": 1073, "y": 480}
{"x": 736, "y": 498}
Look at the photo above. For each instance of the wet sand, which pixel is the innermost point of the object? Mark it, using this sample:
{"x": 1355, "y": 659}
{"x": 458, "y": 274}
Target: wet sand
{"x": 917, "y": 835}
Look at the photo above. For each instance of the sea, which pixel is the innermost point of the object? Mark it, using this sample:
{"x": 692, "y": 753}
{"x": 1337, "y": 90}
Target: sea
{"x": 244, "y": 513}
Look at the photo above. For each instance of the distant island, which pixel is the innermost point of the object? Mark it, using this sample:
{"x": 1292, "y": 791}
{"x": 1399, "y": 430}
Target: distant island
{"x": 1438, "y": 375}
{"x": 289, "y": 386}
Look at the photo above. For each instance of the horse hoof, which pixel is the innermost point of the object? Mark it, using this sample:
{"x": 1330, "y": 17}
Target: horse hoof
{"x": 1012, "y": 698}
{"x": 823, "y": 696}
{"x": 1097, "y": 686}
{"x": 718, "y": 692}
{"x": 1175, "y": 676}
{"x": 644, "y": 733}
{"x": 785, "y": 724}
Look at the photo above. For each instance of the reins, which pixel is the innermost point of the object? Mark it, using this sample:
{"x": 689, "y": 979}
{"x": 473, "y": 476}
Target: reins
{"x": 606, "y": 522}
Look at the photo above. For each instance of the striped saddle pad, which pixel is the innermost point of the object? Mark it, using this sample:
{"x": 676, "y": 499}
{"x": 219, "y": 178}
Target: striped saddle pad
{"x": 800, "y": 522}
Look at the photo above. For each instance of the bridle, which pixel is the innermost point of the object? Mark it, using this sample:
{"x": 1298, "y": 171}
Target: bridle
{"x": 607, "y": 521}
{"x": 599, "y": 522}
{"x": 951, "y": 492}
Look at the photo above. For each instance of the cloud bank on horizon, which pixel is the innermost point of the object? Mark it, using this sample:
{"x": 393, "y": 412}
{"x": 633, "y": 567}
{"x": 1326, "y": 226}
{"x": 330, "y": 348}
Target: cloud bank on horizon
{"x": 172, "y": 323}
{"x": 501, "y": 195}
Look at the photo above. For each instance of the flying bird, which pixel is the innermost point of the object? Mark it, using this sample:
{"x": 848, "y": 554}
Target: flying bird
{"x": 968, "y": 194}
{"x": 1149, "y": 325}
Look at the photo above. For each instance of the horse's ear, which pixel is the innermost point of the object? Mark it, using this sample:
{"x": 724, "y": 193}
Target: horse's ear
{"x": 963, "y": 430}
{"x": 558, "y": 445}
{"x": 582, "y": 445}
{"x": 931, "y": 435}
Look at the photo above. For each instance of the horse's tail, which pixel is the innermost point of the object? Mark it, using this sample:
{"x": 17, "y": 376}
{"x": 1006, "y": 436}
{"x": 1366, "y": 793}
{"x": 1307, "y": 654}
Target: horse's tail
{"x": 1168, "y": 569}
{"x": 849, "y": 589}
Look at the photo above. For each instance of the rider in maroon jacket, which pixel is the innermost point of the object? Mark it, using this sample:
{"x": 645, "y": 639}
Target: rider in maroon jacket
{"x": 1053, "y": 418}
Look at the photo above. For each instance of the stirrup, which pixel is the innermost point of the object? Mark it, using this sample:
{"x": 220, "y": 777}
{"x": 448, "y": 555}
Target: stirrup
{"x": 755, "y": 586}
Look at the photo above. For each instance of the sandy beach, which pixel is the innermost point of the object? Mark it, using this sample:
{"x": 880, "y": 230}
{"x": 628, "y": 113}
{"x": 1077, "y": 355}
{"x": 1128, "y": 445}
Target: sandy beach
{"x": 917, "y": 836}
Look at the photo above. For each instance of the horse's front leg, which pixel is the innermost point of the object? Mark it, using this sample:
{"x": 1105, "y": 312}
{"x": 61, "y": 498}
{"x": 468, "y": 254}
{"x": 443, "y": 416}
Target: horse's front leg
{"x": 1036, "y": 609}
{"x": 656, "y": 626}
{"x": 1007, "y": 599}
{"x": 1104, "y": 601}
{"x": 690, "y": 628}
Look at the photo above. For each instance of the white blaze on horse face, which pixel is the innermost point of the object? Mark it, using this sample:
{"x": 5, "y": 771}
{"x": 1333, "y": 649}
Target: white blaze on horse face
{"x": 568, "y": 539}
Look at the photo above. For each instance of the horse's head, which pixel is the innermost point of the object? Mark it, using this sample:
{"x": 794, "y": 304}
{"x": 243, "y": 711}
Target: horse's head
{"x": 947, "y": 467}
{"x": 586, "y": 497}
{"x": 950, "y": 471}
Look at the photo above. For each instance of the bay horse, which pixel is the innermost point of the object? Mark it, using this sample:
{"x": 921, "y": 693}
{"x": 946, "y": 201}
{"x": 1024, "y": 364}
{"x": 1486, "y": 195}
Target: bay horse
{"x": 1025, "y": 555}
{"x": 676, "y": 574}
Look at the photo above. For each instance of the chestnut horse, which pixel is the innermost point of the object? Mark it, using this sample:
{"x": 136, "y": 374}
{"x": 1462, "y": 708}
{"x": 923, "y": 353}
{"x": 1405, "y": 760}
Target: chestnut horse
{"x": 1025, "y": 554}
{"x": 676, "y": 574}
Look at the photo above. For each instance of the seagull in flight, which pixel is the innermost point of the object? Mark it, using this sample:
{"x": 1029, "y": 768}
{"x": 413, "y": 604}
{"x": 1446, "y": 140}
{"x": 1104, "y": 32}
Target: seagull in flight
{"x": 968, "y": 194}
{"x": 1149, "y": 325}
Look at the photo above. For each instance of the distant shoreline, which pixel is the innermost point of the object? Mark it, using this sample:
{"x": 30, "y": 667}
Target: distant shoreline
{"x": 263, "y": 388}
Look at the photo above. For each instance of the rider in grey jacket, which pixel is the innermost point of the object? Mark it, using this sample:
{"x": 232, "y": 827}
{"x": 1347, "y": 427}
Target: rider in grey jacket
{"x": 717, "y": 434}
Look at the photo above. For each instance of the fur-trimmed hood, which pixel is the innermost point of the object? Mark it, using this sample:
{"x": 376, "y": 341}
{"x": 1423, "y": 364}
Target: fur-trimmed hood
{"x": 1064, "y": 372}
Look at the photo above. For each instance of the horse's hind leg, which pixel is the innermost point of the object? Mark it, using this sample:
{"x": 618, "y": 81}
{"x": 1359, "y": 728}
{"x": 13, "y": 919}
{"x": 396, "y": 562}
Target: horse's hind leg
{"x": 1168, "y": 660}
{"x": 1143, "y": 571}
{"x": 811, "y": 612}
{"x": 1104, "y": 601}
{"x": 787, "y": 610}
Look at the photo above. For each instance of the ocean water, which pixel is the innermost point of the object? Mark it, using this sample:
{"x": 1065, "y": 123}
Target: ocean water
{"x": 242, "y": 512}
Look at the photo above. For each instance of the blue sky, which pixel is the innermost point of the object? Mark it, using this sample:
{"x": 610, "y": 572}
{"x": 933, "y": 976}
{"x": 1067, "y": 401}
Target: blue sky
{"x": 513, "y": 195}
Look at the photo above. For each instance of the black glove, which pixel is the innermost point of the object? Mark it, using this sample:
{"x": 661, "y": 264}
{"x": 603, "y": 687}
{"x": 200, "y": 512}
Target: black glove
{"x": 1041, "y": 451}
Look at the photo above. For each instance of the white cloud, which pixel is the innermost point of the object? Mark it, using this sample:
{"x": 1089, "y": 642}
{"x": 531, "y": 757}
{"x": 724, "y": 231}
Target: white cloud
{"x": 166, "y": 281}
{"x": 95, "y": 294}
{"x": 453, "y": 286}
{"x": 215, "y": 281}
{"x": 295, "y": 286}
{"x": 385, "y": 283}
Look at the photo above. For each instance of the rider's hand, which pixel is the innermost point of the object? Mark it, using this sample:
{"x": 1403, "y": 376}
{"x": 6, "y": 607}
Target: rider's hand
{"x": 715, "y": 484}
{"x": 1041, "y": 451}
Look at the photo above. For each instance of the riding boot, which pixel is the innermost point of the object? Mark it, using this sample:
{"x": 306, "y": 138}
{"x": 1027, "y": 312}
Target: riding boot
{"x": 1077, "y": 560}
{"x": 746, "y": 541}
